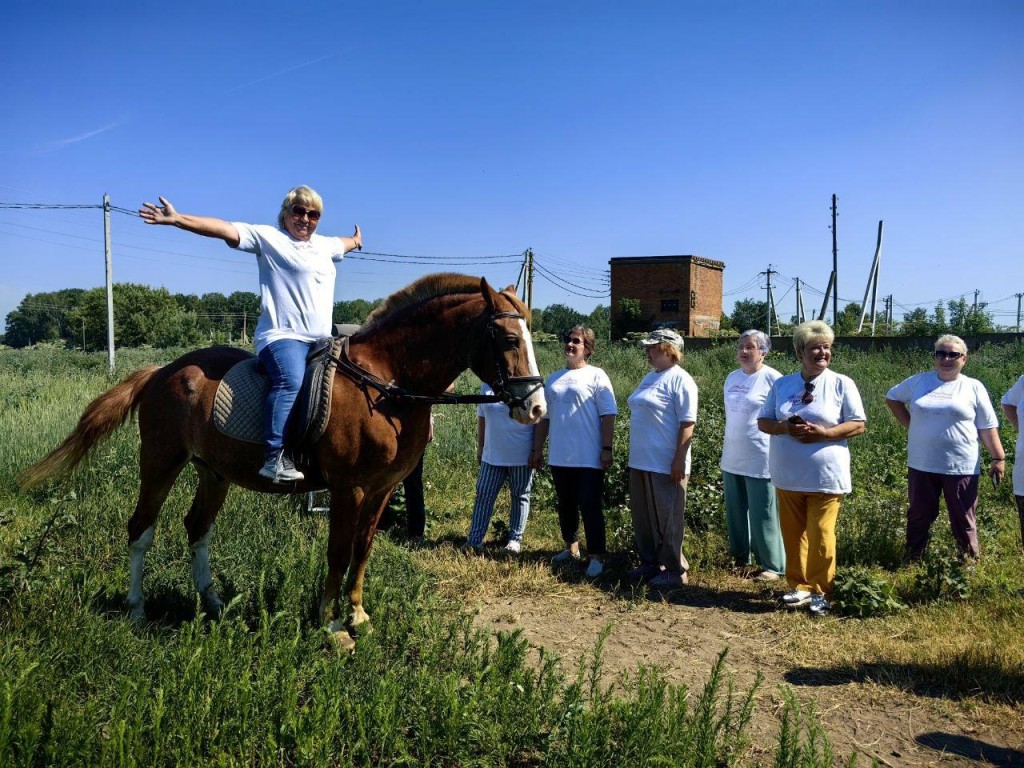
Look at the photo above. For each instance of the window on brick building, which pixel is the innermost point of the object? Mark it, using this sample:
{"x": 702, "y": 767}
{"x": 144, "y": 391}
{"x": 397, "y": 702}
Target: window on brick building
{"x": 670, "y": 305}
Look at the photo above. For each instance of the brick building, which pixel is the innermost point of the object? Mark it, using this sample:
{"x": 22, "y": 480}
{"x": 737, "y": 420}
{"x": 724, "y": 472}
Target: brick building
{"x": 684, "y": 292}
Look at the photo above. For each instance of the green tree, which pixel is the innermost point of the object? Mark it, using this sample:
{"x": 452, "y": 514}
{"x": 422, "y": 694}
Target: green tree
{"x": 849, "y": 319}
{"x": 600, "y": 321}
{"x": 966, "y": 319}
{"x": 142, "y": 315}
{"x": 354, "y": 311}
{"x": 631, "y": 317}
{"x": 560, "y": 319}
{"x": 43, "y": 317}
{"x": 749, "y": 314}
{"x": 916, "y": 323}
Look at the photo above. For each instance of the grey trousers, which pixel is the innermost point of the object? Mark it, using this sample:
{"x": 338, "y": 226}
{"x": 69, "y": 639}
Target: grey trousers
{"x": 658, "y": 506}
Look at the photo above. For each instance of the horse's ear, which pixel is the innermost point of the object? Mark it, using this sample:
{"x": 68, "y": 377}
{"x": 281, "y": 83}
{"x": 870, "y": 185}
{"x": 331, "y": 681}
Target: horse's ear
{"x": 488, "y": 293}
{"x": 510, "y": 289}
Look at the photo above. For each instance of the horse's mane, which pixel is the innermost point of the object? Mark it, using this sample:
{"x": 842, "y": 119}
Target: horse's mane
{"x": 424, "y": 289}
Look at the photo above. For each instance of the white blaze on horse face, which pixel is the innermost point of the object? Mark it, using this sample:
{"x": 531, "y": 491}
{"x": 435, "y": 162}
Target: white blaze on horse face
{"x": 137, "y": 557}
{"x": 536, "y": 406}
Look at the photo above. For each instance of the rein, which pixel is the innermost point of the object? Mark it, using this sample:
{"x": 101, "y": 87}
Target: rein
{"x": 388, "y": 390}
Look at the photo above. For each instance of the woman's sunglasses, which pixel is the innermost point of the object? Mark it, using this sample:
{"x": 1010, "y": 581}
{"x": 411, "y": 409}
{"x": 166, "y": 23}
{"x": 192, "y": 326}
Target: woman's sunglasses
{"x": 942, "y": 354}
{"x": 298, "y": 212}
{"x": 808, "y": 395}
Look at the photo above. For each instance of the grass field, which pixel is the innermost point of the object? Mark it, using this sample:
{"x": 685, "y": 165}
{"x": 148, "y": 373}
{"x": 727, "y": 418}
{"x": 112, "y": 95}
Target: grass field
{"x": 432, "y": 685}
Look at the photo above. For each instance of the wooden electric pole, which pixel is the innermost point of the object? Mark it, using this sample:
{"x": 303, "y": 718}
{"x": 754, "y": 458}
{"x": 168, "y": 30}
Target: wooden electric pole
{"x": 110, "y": 282}
{"x": 835, "y": 265}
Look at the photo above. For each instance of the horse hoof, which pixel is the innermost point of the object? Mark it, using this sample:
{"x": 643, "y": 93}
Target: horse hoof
{"x": 344, "y": 641}
{"x": 362, "y": 629}
{"x": 137, "y": 613}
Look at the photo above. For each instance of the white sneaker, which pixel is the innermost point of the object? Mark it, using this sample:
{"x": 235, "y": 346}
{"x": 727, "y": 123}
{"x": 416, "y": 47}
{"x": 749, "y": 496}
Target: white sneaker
{"x": 819, "y": 605}
{"x": 595, "y": 568}
{"x": 280, "y": 469}
{"x": 565, "y": 556}
{"x": 513, "y": 546}
{"x": 796, "y": 598}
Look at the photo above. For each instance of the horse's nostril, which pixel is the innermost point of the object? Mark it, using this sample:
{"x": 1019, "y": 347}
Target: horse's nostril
{"x": 537, "y": 411}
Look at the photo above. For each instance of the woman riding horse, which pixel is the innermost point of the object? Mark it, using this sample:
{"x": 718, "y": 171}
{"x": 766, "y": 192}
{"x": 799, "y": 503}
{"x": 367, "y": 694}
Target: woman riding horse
{"x": 297, "y": 298}
{"x": 401, "y": 361}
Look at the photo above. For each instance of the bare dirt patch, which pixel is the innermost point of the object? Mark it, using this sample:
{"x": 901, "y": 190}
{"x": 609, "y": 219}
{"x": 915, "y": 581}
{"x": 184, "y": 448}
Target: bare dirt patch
{"x": 868, "y": 704}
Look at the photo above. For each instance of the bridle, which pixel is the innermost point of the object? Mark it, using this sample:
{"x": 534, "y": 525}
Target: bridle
{"x": 503, "y": 386}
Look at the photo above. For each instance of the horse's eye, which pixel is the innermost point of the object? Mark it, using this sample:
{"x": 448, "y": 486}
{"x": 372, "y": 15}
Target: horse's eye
{"x": 511, "y": 342}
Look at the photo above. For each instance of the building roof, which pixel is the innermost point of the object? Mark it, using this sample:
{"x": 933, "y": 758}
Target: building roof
{"x": 641, "y": 260}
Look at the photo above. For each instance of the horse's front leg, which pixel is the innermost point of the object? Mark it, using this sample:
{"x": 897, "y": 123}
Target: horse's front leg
{"x": 361, "y": 544}
{"x": 345, "y": 510}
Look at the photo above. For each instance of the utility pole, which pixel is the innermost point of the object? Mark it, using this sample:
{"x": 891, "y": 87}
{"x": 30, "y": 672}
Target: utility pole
{"x": 529, "y": 284}
{"x": 110, "y": 282}
{"x": 1019, "y": 295}
{"x": 828, "y": 291}
{"x": 835, "y": 265}
{"x": 872, "y": 287}
{"x": 769, "y": 272}
{"x": 799, "y": 303}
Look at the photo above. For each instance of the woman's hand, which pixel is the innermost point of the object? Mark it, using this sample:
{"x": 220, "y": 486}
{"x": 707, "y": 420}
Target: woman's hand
{"x": 806, "y": 432}
{"x": 606, "y": 458}
{"x": 357, "y": 238}
{"x": 997, "y": 470}
{"x": 158, "y": 214}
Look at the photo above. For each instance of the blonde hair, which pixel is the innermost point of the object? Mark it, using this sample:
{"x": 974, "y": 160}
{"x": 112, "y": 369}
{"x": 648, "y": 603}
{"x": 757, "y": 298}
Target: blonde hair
{"x": 810, "y": 331}
{"x": 671, "y": 350}
{"x": 954, "y": 341}
{"x": 301, "y": 195}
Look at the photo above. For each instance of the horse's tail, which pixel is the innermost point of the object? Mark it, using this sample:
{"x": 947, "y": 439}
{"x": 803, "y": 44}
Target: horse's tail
{"x": 101, "y": 417}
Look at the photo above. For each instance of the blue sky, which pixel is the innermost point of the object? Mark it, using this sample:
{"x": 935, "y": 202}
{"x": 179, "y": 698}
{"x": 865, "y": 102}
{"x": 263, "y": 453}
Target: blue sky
{"x": 462, "y": 131}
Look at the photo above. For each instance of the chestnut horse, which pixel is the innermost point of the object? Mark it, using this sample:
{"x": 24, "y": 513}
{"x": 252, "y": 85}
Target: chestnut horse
{"x": 400, "y": 362}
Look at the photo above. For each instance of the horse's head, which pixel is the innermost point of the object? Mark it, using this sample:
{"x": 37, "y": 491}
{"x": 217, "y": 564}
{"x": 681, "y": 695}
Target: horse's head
{"x": 506, "y": 360}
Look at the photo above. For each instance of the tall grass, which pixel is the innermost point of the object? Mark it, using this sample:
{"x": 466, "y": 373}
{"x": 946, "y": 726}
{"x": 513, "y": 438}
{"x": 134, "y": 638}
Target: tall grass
{"x": 81, "y": 685}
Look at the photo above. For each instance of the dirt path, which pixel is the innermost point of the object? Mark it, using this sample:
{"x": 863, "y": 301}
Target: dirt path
{"x": 684, "y": 634}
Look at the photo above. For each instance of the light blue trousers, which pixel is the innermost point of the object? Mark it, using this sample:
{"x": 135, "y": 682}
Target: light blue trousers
{"x": 488, "y": 483}
{"x": 752, "y": 519}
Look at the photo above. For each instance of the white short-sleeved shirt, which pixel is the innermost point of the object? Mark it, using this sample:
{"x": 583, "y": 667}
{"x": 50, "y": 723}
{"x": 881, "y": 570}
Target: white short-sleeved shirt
{"x": 812, "y": 467}
{"x": 577, "y": 399}
{"x": 296, "y": 282}
{"x": 745, "y": 447}
{"x": 1015, "y": 397}
{"x": 945, "y": 417}
{"x": 507, "y": 443}
{"x": 661, "y": 402}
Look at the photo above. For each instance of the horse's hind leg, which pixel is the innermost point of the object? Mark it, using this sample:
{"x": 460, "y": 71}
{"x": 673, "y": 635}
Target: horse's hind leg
{"x": 209, "y": 498}
{"x": 158, "y": 469}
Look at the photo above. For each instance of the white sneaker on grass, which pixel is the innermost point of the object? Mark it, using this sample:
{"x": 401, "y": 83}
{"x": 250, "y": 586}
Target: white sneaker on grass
{"x": 513, "y": 546}
{"x": 566, "y": 556}
{"x": 595, "y": 568}
{"x": 796, "y": 598}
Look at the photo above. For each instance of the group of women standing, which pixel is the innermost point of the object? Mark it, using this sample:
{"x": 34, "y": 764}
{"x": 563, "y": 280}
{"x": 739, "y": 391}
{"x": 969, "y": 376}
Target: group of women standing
{"x": 785, "y": 457}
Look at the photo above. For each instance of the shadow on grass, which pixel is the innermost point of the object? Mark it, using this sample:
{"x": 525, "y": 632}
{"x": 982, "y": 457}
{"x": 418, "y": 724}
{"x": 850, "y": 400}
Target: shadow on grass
{"x": 973, "y": 749}
{"x": 954, "y": 680}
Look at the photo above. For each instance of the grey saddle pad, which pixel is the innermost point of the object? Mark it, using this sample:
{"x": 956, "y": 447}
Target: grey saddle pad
{"x": 238, "y": 406}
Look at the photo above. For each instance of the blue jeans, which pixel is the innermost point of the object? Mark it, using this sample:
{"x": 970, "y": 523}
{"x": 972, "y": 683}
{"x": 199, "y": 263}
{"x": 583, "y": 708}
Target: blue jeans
{"x": 285, "y": 363}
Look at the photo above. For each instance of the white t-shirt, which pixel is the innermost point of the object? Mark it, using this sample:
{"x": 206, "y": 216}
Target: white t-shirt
{"x": 661, "y": 402}
{"x": 1015, "y": 397}
{"x": 577, "y": 399}
{"x": 745, "y": 447}
{"x": 945, "y": 417}
{"x": 296, "y": 282}
{"x": 812, "y": 467}
{"x": 507, "y": 443}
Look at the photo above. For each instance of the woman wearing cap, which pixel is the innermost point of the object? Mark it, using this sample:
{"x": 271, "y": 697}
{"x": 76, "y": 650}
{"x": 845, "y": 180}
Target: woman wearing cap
{"x": 751, "y": 511}
{"x": 945, "y": 413}
{"x": 297, "y": 273}
{"x": 1012, "y": 403}
{"x": 503, "y": 448}
{"x": 581, "y": 420}
{"x": 662, "y": 412}
{"x": 810, "y": 415}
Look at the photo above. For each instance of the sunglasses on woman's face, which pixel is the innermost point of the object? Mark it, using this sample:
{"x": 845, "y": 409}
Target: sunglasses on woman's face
{"x": 808, "y": 395}
{"x": 573, "y": 340}
{"x": 942, "y": 354}
{"x": 299, "y": 211}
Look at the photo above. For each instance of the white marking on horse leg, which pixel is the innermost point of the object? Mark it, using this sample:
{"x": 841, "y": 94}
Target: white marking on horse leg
{"x": 341, "y": 636}
{"x": 202, "y": 577}
{"x": 359, "y": 616}
{"x": 136, "y": 559}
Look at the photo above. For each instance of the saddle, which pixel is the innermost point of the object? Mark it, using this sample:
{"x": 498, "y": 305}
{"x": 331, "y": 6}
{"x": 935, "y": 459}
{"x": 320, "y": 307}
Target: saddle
{"x": 241, "y": 394}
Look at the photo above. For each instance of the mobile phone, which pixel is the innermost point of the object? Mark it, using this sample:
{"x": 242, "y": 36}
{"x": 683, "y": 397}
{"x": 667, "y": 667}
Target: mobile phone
{"x": 795, "y": 419}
